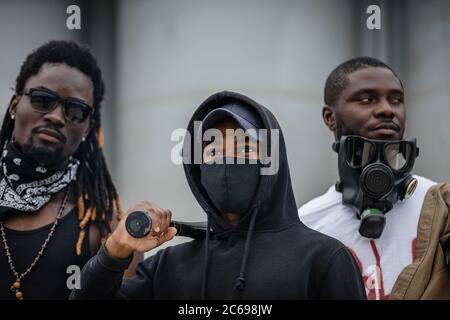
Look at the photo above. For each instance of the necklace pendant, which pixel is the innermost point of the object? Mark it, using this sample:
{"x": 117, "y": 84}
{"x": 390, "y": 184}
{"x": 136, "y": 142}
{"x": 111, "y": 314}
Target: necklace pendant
{"x": 19, "y": 295}
{"x": 15, "y": 289}
{"x": 16, "y": 285}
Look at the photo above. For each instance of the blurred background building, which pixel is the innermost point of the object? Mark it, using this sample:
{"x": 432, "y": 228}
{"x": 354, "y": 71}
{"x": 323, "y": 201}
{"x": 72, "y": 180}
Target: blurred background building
{"x": 162, "y": 58}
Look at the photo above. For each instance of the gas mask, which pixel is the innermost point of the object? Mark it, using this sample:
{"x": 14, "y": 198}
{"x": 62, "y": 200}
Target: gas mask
{"x": 374, "y": 175}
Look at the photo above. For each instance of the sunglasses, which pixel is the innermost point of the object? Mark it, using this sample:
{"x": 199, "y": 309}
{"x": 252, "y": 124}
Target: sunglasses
{"x": 399, "y": 155}
{"x": 44, "y": 101}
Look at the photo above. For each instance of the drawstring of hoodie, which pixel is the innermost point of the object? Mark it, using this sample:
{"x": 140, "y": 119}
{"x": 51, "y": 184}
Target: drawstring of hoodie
{"x": 206, "y": 259}
{"x": 240, "y": 281}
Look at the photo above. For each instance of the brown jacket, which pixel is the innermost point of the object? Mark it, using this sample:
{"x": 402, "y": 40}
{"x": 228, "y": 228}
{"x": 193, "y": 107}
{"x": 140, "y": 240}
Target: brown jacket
{"x": 428, "y": 277}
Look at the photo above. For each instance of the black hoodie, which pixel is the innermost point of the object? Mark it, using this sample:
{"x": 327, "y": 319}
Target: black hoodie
{"x": 269, "y": 254}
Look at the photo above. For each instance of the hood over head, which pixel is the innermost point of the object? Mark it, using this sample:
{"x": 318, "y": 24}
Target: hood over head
{"x": 274, "y": 199}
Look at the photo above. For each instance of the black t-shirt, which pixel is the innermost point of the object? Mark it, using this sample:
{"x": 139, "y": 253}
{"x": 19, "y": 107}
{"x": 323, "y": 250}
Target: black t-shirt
{"x": 48, "y": 278}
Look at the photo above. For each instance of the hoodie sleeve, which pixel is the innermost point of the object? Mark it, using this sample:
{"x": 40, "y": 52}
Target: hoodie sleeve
{"x": 101, "y": 278}
{"x": 342, "y": 278}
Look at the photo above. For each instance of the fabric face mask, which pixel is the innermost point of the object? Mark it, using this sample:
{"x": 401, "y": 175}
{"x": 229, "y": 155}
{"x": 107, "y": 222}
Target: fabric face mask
{"x": 231, "y": 186}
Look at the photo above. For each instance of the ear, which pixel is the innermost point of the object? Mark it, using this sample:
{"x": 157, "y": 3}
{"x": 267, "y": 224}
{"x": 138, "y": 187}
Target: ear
{"x": 12, "y": 109}
{"x": 329, "y": 117}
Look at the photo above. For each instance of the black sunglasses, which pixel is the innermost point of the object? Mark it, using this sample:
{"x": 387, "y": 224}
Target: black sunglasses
{"x": 44, "y": 101}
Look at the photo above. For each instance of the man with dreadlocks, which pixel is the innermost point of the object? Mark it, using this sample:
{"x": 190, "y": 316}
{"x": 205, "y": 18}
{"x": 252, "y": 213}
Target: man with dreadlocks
{"x": 57, "y": 199}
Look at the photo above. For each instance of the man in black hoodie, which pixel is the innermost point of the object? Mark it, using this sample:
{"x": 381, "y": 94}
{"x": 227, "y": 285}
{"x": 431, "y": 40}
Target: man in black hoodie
{"x": 255, "y": 246}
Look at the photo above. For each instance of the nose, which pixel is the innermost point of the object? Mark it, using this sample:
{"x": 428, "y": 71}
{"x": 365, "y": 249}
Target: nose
{"x": 56, "y": 116}
{"x": 384, "y": 109}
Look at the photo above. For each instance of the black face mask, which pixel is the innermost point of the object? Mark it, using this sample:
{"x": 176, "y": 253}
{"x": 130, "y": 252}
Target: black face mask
{"x": 231, "y": 186}
{"x": 374, "y": 175}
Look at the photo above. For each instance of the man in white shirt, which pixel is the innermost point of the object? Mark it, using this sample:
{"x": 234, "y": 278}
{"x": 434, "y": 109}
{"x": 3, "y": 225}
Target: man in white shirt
{"x": 365, "y": 98}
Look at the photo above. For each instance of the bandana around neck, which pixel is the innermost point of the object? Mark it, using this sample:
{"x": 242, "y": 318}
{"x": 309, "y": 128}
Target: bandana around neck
{"x": 27, "y": 186}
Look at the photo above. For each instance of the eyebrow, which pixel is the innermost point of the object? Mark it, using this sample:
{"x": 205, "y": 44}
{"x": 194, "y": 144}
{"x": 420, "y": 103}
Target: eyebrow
{"x": 373, "y": 91}
{"x": 397, "y": 91}
{"x": 45, "y": 89}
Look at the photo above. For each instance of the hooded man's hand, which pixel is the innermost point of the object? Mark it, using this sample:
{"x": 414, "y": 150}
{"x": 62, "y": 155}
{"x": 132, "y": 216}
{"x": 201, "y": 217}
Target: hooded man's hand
{"x": 121, "y": 245}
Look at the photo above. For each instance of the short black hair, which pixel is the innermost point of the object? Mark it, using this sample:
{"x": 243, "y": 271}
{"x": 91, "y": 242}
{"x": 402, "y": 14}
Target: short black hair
{"x": 65, "y": 52}
{"x": 338, "y": 80}
{"x": 97, "y": 196}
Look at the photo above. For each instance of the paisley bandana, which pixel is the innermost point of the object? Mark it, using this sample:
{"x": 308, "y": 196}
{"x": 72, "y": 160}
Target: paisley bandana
{"x": 27, "y": 186}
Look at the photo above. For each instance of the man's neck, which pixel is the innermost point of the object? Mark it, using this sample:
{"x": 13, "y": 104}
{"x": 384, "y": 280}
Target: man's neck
{"x": 231, "y": 218}
{"x": 44, "y": 216}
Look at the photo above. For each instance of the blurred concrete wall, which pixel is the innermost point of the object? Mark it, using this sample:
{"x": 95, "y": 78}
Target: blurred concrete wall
{"x": 427, "y": 71}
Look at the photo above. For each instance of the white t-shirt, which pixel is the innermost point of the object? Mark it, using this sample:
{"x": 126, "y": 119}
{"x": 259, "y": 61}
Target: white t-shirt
{"x": 380, "y": 260}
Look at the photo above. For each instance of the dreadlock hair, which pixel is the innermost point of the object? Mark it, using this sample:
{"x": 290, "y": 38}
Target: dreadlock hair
{"x": 97, "y": 196}
{"x": 338, "y": 80}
